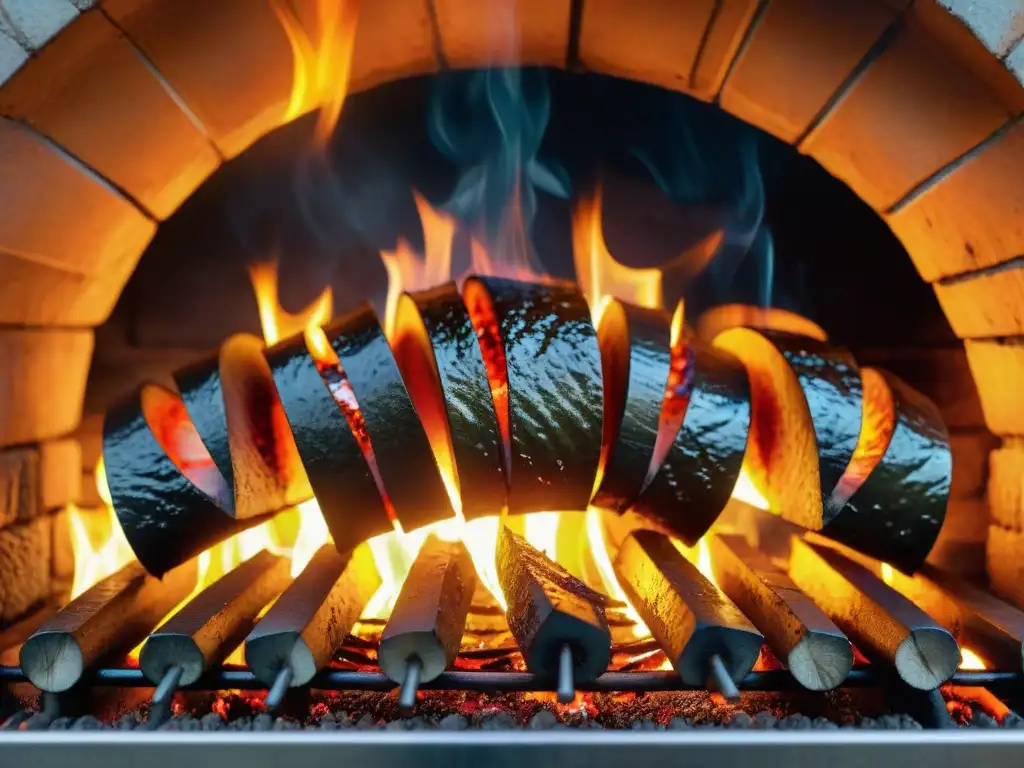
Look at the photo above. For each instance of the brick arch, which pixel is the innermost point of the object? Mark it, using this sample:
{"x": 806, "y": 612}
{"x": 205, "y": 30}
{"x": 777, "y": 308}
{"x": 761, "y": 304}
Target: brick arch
{"x": 113, "y": 112}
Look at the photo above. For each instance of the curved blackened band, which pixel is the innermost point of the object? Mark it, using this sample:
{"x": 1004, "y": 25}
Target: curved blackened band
{"x": 644, "y": 355}
{"x": 555, "y": 393}
{"x": 897, "y": 513}
{"x": 472, "y": 422}
{"x": 405, "y": 460}
{"x": 694, "y": 483}
{"x": 199, "y": 384}
{"x": 830, "y": 380}
{"x": 338, "y": 473}
{"x": 165, "y": 518}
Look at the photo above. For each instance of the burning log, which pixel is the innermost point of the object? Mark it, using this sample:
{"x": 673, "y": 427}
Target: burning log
{"x": 423, "y": 634}
{"x": 436, "y": 348}
{"x": 170, "y": 500}
{"x": 800, "y": 635}
{"x": 112, "y": 617}
{"x": 232, "y": 401}
{"x": 973, "y": 616}
{"x": 558, "y": 622}
{"x": 212, "y": 624}
{"x": 544, "y": 368}
{"x": 705, "y": 636}
{"x": 891, "y": 502}
{"x": 339, "y": 474}
{"x": 702, "y": 438}
{"x": 636, "y": 357}
{"x": 300, "y": 633}
{"x": 882, "y": 623}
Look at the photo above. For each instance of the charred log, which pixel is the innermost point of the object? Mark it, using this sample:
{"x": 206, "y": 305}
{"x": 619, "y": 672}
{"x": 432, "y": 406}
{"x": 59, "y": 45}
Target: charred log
{"x": 692, "y": 620}
{"x": 549, "y": 610}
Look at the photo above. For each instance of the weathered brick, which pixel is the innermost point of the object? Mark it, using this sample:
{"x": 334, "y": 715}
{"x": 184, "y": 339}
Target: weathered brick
{"x": 60, "y": 473}
{"x": 960, "y": 547}
{"x": 25, "y": 566}
{"x": 1006, "y": 484}
{"x": 1004, "y": 559}
{"x": 985, "y": 305}
{"x": 19, "y": 484}
{"x": 998, "y": 370}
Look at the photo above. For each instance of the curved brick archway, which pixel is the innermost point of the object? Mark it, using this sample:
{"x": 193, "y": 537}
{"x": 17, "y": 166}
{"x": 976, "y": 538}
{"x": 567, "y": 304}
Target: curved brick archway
{"x": 113, "y": 112}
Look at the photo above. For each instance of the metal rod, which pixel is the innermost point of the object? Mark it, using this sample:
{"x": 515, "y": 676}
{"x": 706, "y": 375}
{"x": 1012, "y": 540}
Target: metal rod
{"x": 719, "y": 679}
{"x": 566, "y": 685}
{"x": 510, "y": 682}
{"x": 167, "y": 686}
{"x": 410, "y": 684}
{"x": 279, "y": 688}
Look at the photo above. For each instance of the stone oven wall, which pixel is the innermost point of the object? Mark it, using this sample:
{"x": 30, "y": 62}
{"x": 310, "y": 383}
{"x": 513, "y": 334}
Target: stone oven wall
{"x": 113, "y": 112}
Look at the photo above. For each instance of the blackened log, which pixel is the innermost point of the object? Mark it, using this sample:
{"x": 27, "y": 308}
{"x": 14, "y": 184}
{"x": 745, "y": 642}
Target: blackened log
{"x": 692, "y": 620}
{"x": 234, "y": 406}
{"x": 110, "y": 618}
{"x": 549, "y": 609}
{"x": 437, "y": 351}
{"x": 806, "y": 419}
{"x": 407, "y": 467}
{"x": 800, "y": 635}
{"x": 636, "y": 355}
{"x": 166, "y": 517}
{"x": 313, "y": 616}
{"x": 883, "y": 624}
{"x": 544, "y": 363}
{"x": 694, "y": 481}
{"x": 429, "y": 616}
{"x": 895, "y": 512}
{"x": 338, "y": 471}
{"x": 215, "y": 621}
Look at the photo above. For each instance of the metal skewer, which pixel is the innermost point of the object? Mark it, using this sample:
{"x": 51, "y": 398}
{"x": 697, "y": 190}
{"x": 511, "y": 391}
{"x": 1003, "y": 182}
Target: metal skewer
{"x": 566, "y": 684}
{"x": 279, "y": 688}
{"x": 410, "y": 684}
{"x": 720, "y": 681}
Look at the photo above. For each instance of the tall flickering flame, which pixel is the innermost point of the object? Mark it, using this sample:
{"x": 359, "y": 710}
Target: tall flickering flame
{"x": 322, "y": 59}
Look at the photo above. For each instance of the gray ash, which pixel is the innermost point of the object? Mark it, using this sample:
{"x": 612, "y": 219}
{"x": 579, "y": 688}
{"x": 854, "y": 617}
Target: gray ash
{"x": 458, "y": 711}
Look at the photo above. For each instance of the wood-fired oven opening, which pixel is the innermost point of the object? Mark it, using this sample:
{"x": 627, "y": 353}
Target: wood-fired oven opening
{"x": 547, "y": 386}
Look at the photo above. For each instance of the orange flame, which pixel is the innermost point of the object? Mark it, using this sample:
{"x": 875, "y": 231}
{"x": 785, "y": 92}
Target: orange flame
{"x": 322, "y": 62}
{"x": 970, "y": 660}
{"x": 597, "y": 271}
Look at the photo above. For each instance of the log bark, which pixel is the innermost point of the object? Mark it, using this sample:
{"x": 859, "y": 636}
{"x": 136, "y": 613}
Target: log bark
{"x": 313, "y": 615}
{"x": 691, "y": 618}
{"x": 549, "y": 609}
{"x": 887, "y": 627}
{"x": 430, "y": 612}
{"x": 800, "y": 635}
{"x": 110, "y": 618}
{"x": 215, "y": 621}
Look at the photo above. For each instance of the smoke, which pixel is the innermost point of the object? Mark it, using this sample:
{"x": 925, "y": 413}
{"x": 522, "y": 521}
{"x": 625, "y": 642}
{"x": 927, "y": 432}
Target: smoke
{"x": 700, "y": 156}
{"x": 490, "y": 124}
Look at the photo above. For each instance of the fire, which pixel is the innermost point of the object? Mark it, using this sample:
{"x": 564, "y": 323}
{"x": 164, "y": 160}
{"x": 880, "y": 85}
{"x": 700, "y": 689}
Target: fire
{"x": 597, "y": 271}
{"x": 97, "y": 541}
{"x": 323, "y": 62}
{"x": 970, "y": 660}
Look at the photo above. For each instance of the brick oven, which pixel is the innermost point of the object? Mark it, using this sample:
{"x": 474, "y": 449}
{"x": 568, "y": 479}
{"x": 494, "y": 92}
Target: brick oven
{"x": 126, "y": 124}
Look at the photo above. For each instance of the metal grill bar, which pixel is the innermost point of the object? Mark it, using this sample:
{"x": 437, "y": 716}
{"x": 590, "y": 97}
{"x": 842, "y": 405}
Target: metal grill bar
{"x": 515, "y": 682}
